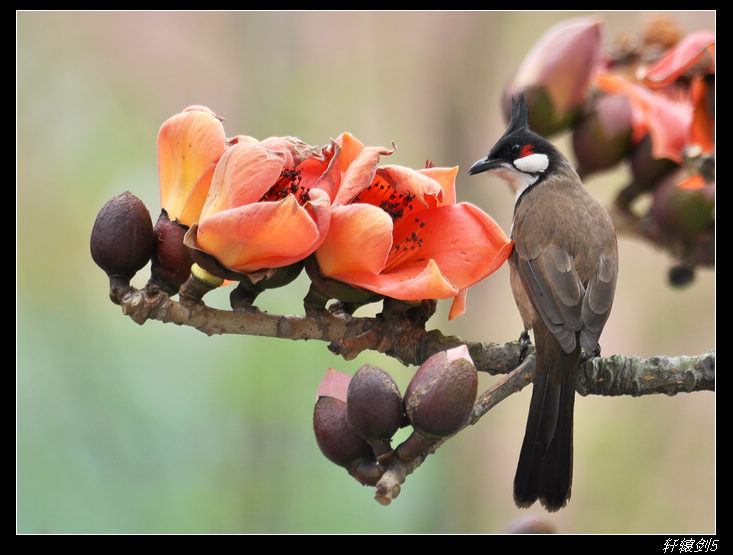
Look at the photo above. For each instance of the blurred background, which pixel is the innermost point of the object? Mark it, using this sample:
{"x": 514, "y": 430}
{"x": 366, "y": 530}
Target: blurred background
{"x": 160, "y": 429}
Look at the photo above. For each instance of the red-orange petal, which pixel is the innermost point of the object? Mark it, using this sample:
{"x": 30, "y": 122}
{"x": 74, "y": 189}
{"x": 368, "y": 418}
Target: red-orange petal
{"x": 458, "y": 246}
{"x": 692, "y": 183}
{"x": 458, "y": 306}
{"x": 259, "y": 235}
{"x": 360, "y": 173}
{"x": 446, "y": 178}
{"x": 243, "y": 175}
{"x": 702, "y": 128}
{"x": 188, "y": 144}
{"x": 358, "y": 241}
{"x": 667, "y": 121}
{"x": 427, "y": 191}
{"x": 191, "y": 211}
{"x": 409, "y": 282}
{"x": 467, "y": 244}
{"x": 681, "y": 57}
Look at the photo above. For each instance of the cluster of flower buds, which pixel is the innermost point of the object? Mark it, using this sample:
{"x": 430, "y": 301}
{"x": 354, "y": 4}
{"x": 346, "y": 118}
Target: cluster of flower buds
{"x": 355, "y": 418}
{"x": 257, "y": 212}
{"x": 648, "y": 102}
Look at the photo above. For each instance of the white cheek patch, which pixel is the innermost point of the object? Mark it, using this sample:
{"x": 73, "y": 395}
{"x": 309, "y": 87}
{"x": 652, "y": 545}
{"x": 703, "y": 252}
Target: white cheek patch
{"x": 533, "y": 163}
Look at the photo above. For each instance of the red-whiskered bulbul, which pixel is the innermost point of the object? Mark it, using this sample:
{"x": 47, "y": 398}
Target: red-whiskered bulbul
{"x": 563, "y": 276}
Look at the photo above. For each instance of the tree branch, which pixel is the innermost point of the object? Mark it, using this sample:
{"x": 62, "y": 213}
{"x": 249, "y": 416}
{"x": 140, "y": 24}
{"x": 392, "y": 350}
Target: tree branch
{"x": 401, "y": 338}
{"x": 395, "y": 334}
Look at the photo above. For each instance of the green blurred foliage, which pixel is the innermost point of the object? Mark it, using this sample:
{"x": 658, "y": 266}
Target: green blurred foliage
{"x": 160, "y": 429}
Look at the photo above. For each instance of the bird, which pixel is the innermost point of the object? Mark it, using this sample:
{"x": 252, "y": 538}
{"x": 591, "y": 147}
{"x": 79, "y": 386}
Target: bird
{"x": 563, "y": 270}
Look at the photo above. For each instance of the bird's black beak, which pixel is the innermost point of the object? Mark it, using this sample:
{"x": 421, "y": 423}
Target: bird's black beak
{"x": 483, "y": 165}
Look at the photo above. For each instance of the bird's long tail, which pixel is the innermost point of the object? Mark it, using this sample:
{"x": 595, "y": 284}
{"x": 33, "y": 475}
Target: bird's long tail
{"x": 545, "y": 468}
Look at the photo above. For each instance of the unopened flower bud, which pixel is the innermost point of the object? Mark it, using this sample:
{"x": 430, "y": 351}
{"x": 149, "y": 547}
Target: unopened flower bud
{"x": 339, "y": 443}
{"x": 557, "y": 72}
{"x": 602, "y": 135}
{"x": 122, "y": 240}
{"x": 171, "y": 261}
{"x": 683, "y": 215}
{"x": 683, "y": 212}
{"x": 646, "y": 170}
{"x": 441, "y": 394}
{"x": 374, "y": 407}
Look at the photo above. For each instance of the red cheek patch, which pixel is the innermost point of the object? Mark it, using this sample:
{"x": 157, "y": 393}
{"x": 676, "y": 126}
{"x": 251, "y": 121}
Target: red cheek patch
{"x": 526, "y": 151}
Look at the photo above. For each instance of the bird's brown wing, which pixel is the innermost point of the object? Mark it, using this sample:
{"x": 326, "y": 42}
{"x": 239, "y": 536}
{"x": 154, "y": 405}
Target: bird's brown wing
{"x": 556, "y": 290}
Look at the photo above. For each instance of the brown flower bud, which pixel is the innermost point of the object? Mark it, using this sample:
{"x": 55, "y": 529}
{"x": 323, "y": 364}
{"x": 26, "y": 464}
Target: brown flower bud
{"x": 374, "y": 407}
{"x": 646, "y": 170}
{"x": 122, "y": 240}
{"x": 171, "y": 260}
{"x": 441, "y": 395}
{"x": 339, "y": 443}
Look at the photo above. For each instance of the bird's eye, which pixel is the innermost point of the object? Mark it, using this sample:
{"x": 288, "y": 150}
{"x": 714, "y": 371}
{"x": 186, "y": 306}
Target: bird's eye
{"x": 515, "y": 150}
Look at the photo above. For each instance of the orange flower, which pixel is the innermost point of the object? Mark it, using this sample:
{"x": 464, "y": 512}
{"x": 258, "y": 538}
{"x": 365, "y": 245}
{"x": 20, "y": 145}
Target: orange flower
{"x": 665, "y": 119}
{"x": 398, "y": 232}
{"x": 674, "y": 114}
{"x": 189, "y": 146}
{"x": 260, "y": 213}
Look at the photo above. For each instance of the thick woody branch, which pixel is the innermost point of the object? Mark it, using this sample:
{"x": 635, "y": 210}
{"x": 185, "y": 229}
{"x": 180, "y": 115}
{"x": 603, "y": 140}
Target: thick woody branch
{"x": 408, "y": 342}
{"x": 405, "y": 338}
{"x": 616, "y": 375}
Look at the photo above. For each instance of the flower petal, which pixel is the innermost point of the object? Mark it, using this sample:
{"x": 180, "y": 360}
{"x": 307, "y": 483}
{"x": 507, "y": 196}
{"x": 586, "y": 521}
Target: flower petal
{"x": 244, "y": 174}
{"x": 188, "y": 144}
{"x": 359, "y": 239}
{"x": 294, "y": 150}
{"x": 446, "y": 178}
{"x": 259, "y": 235}
{"x": 667, "y": 121}
{"x": 191, "y": 211}
{"x": 465, "y": 242}
{"x": 460, "y": 246}
{"x": 333, "y": 384}
{"x": 681, "y": 57}
{"x": 409, "y": 282}
{"x": 360, "y": 173}
{"x": 458, "y": 306}
{"x": 405, "y": 180}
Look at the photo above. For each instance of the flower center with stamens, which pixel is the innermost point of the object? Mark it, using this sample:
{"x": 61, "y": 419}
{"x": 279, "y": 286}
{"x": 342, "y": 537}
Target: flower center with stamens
{"x": 287, "y": 184}
{"x": 406, "y": 242}
{"x": 382, "y": 194}
{"x": 406, "y": 239}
